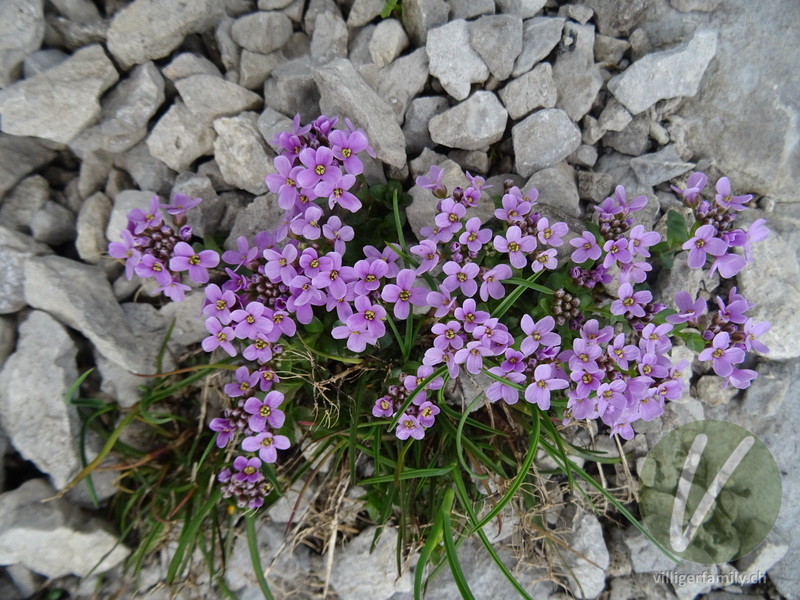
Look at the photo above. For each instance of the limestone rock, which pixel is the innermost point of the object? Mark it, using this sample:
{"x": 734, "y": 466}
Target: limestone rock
{"x": 539, "y": 36}
{"x": 420, "y": 16}
{"x": 544, "y": 139}
{"x": 415, "y": 128}
{"x": 535, "y": 89}
{"x": 241, "y": 153}
{"x": 403, "y": 80}
{"x": 180, "y": 137}
{"x": 15, "y": 249}
{"x": 577, "y": 78}
{"x": 291, "y": 89}
{"x": 91, "y": 242}
{"x": 452, "y": 61}
{"x": 22, "y": 29}
{"x": 330, "y": 38}
{"x": 498, "y": 41}
{"x": 558, "y": 188}
{"x": 388, "y": 40}
{"x": 209, "y": 97}
{"x": 661, "y": 166}
{"x": 474, "y": 124}
{"x": 60, "y": 102}
{"x": 667, "y": 74}
{"x": 150, "y": 29}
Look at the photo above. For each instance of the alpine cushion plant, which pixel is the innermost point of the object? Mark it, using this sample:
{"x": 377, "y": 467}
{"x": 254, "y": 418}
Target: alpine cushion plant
{"x": 519, "y": 303}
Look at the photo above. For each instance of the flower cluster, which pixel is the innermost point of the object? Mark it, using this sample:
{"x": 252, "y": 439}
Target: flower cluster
{"x": 151, "y": 247}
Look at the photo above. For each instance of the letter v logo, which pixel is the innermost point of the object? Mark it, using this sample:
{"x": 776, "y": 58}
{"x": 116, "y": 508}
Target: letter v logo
{"x": 680, "y": 540}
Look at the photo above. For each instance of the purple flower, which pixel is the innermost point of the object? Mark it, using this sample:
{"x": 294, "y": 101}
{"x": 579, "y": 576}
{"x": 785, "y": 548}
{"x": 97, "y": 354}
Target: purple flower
{"x": 755, "y": 233}
{"x": 284, "y": 182}
{"x": 587, "y": 381}
{"x": 687, "y": 309}
{"x": 473, "y": 355}
{"x": 307, "y": 224}
{"x": 641, "y": 240}
{"x": 333, "y": 275}
{"x": 515, "y": 208}
{"x": 501, "y": 391}
{"x": 197, "y": 263}
{"x": 260, "y": 350}
{"x": 461, "y": 276}
{"x": 724, "y": 197}
{"x": 126, "y": 249}
{"x": 180, "y": 204}
{"x": 434, "y": 356}
{"x": 357, "y": 338}
{"x": 403, "y": 294}
{"x": 336, "y": 232}
{"x": 545, "y": 259}
{"x": 630, "y": 303}
{"x": 150, "y": 266}
{"x": 345, "y": 147}
{"x": 722, "y": 355}
{"x": 514, "y": 361}
{"x": 265, "y": 412}
{"x": 650, "y": 407}
{"x": 220, "y": 337}
{"x": 174, "y": 290}
{"x": 248, "y": 469}
{"x": 441, "y": 301}
{"x": 336, "y": 190}
{"x": 408, "y": 426}
{"x": 655, "y": 338}
{"x": 427, "y": 414}
{"x": 584, "y": 355}
{"x": 551, "y": 235}
{"x": 319, "y": 167}
{"x": 751, "y": 330}
{"x": 267, "y": 445}
{"x": 384, "y": 407}
{"x": 544, "y": 380}
{"x": 473, "y": 237}
{"x": 620, "y": 353}
{"x": 368, "y": 317}
{"x": 243, "y": 253}
{"x": 470, "y": 316}
{"x": 611, "y": 393}
{"x": 447, "y": 335}
{"x": 369, "y": 275}
{"x": 636, "y": 204}
{"x": 587, "y": 248}
{"x": 251, "y": 321}
{"x": 491, "y": 286}
{"x": 388, "y": 256}
{"x": 279, "y": 265}
{"x": 741, "y": 378}
{"x": 245, "y": 382}
{"x": 428, "y": 252}
{"x": 704, "y": 241}
{"x": 593, "y": 334}
{"x": 729, "y": 265}
{"x": 695, "y": 185}
{"x": 538, "y": 332}
{"x": 142, "y": 219}
{"x": 733, "y": 312}
{"x": 224, "y": 431}
{"x": 450, "y": 216}
{"x": 634, "y": 272}
{"x": 433, "y": 182}
{"x": 616, "y": 250}
{"x": 516, "y": 245}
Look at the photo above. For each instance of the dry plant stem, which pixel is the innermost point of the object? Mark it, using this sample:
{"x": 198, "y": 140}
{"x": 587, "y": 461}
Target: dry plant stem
{"x": 341, "y": 490}
{"x": 633, "y": 493}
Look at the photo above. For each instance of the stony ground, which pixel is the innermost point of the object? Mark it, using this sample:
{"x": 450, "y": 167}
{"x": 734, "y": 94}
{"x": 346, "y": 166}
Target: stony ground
{"x": 104, "y": 103}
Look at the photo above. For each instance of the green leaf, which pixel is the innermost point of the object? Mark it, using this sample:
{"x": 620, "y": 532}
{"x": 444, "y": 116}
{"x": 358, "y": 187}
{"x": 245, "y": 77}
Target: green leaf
{"x": 255, "y": 559}
{"x": 408, "y": 474}
{"x": 450, "y": 547}
{"x": 677, "y": 230}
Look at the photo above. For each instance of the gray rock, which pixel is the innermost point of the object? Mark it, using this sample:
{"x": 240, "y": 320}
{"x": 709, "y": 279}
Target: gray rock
{"x": 692, "y": 5}
{"x": 316, "y": 8}
{"x": 272, "y": 123}
{"x": 594, "y": 187}
{"x": 616, "y": 18}
{"x": 53, "y": 224}
{"x": 774, "y": 386}
{"x": 180, "y": 137}
{"x": 557, "y": 188}
{"x": 577, "y": 78}
{"x": 474, "y": 124}
{"x": 21, "y": 31}
{"x": 344, "y": 92}
{"x": 254, "y": 68}
{"x": 498, "y": 41}
{"x": 360, "y": 573}
{"x": 24, "y": 201}
{"x": 42, "y": 60}
{"x": 150, "y": 29}
{"x": 521, "y": 8}
{"x": 774, "y": 261}
{"x": 73, "y": 35}
{"x": 15, "y": 250}
{"x": 33, "y": 383}
{"x": 667, "y": 74}
{"x": 535, "y": 89}
{"x": 474, "y": 161}
{"x": 469, "y": 9}
{"x": 608, "y": 51}
{"x": 18, "y": 157}
{"x": 452, "y": 61}
{"x": 147, "y": 170}
{"x": 655, "y": 168}
{"x": 709, "y": 391}
{"x": 363, "y": 11}
{"x": 8, "y": 339}
{"x": 125, "y": 113}
{"x": 241, "y": 152}
{"x": 273, "y": 4}
{"x": 389, "y": 39}
{"x": 291, "y": 89}
{"x": 187, "y": 64}
{"x": 330, "y": 38}
{"x": 544, "y": 139}
{"x": 590, "y": 557}
{"x": 295, "y": 10}
{"x": 634, "y": 140}
{"x": 681, "y": 278}
{"x": 584, "y": 156}
{"x": 209, "y": 97}
{"x": 91, "y": 242}
{"x": 59, "y": 103}
{"x": 205, "y": 218}
{"x": 576, "y": 12}
{"x": 645, "y": 557}
{"x": 80, "y": 11}
{"x": 262, "y": 214}
{"x": 80, "y": 296}
{"x": 358, "y": 46}
{"x": 539, "y": 37}
{"x": 229, "y": 50}
{"x": 188, "y": 328}
{"x": 94, "y": 171}
{"x": 403, "y": 80}
{"x": 35, "y": 534}
{"x": 614, "y": 117}
{"x": 420, "y": 112}
{"x": 420, "y": 16}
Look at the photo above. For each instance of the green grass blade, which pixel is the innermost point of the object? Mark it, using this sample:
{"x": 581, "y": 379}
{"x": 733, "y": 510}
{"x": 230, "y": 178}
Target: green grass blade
{"x": 252, "y": 544}
{"x": 189, "y": 533}
{"x": 408, "y": 474}
{"x": 74, "y": 387}
{"x": 437, "y": 373}
{"x": 514, "y": 295}
{"x": 434, "y": 537}
{"x": 530, "y": 285}
{"x": 459, "y": 437}
{"x": 450, "y": 547}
